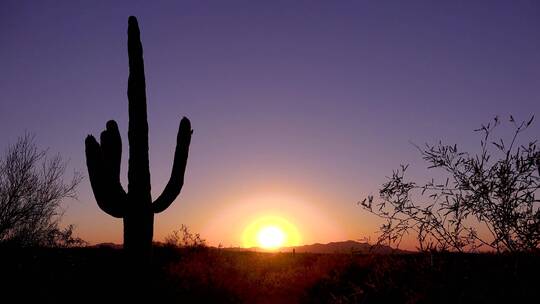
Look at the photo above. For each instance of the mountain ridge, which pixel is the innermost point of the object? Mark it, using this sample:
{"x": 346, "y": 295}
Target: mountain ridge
{"x": 348, "y": 246}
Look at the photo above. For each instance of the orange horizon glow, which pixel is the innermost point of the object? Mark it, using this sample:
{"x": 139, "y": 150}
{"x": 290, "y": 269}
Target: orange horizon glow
{"x": 305, "y": 219}
{"x": 302, "y": 218}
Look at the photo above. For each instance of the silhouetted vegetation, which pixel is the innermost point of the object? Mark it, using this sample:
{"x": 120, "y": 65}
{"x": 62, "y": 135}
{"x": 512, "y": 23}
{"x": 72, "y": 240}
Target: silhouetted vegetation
{"x": 220, "y": 276}
{"x": 494, "y": 189}
{"x": 31, "y": 191}
{"x": 184, "y": 238}
{"x": 103, "y": 162}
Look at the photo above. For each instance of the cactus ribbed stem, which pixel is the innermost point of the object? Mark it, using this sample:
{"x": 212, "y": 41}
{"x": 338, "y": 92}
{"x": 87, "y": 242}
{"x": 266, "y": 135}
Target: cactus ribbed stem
{"x": 103, "y": 161}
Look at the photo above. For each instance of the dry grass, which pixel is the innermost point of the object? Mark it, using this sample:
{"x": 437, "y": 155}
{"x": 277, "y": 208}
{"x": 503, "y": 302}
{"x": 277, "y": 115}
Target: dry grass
{"x": 250, "y": 277}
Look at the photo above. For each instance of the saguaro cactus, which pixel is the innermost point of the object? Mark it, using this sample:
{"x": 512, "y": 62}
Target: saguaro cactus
{"x": 103, "y": 161}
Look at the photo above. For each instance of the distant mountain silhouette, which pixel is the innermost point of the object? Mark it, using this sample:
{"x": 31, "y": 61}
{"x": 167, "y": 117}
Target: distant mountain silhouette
{"x": 349, "y": 246}
{"x": 332, "y": 247}
{"x": 345, "y": 247}
{"x": 107, "y": 245}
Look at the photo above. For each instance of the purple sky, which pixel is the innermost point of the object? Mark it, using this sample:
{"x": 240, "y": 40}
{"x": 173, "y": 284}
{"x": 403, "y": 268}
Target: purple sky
{"x": 300, "y": 108}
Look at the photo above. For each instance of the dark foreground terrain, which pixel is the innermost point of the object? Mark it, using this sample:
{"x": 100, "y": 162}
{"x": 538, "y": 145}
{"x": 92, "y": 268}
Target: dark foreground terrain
{"x": 219, "y": 276}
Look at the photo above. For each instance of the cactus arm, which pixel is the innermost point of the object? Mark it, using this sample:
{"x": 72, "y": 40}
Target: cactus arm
{"x": 138, "y": 172}
{"x": 110, "y": 196}
{"x": 176, "y": 180}
{"x": 111, "y": 147}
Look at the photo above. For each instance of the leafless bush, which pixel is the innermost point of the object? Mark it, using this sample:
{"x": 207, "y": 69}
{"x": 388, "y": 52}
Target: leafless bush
{"x": 480, "y": 191}
{"x": 31, "y": 191}
{"x": 183, "y": 238}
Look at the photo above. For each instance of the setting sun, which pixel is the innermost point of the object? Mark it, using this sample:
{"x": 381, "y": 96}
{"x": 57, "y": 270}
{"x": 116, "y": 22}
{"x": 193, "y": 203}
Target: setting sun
{"x": 270, "y": 237}
{"x": 271, "y": 232}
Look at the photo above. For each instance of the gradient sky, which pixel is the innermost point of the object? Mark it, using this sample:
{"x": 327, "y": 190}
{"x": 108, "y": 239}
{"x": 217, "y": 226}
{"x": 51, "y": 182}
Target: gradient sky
{"x": 300, "y": 108}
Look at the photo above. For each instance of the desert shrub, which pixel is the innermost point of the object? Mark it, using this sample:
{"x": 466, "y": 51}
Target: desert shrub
{"x": 31, "y": 191}
{"x": 184, "y": 238}
{"x": 495, "y": 188}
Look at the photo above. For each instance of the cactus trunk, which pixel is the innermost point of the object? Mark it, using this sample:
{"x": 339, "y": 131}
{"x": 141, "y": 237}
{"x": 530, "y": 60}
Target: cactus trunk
{"x": 138, "y": 232}
{"x": 103, "y": 162}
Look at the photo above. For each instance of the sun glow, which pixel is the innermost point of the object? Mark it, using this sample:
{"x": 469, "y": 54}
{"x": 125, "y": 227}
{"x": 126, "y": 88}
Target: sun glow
{"x": 270, "y": 237}
{"x": 270, "y": 232}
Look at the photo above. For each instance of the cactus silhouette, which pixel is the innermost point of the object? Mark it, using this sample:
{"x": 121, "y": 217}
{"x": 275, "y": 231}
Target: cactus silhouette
{"x": 103, "y": 161}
